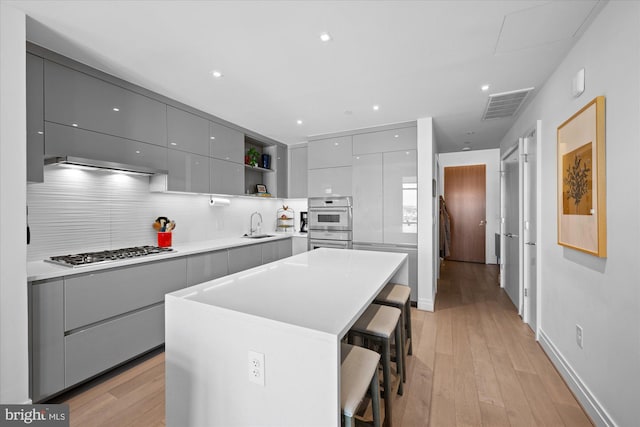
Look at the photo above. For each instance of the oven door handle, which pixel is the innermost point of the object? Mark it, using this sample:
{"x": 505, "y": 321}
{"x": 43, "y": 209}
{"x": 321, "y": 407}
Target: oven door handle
{"x": 329, "y": 210}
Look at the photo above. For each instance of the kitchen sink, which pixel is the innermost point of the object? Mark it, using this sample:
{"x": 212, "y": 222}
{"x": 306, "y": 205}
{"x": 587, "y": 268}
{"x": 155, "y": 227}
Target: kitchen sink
{"x": 258, "y": 236}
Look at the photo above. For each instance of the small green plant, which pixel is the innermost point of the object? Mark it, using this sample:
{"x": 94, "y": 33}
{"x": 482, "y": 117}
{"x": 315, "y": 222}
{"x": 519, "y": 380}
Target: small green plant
{"x": 254, "y": 156}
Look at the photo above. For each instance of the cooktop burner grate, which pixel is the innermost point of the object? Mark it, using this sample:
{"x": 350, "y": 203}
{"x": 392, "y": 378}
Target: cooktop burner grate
{"x": 79, "y": 260}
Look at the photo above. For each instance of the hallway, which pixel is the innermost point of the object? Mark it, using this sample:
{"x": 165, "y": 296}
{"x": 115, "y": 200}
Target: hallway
{"x": 477, "y": 364}
{"x": 474, "y": 364}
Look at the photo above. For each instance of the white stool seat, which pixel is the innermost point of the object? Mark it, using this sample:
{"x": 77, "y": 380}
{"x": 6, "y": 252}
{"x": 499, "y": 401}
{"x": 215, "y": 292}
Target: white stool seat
{"x": 394, "y": 293}
{"x": 356, "y": 370}
{"x": 378, "y": 320}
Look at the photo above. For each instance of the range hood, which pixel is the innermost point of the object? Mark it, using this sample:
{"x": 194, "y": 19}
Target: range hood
{"x": 101, "y": 164}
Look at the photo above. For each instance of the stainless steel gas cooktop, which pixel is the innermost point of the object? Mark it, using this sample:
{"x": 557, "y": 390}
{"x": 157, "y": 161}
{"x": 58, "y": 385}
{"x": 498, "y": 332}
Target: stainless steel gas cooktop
{"x": 79, "y": 260}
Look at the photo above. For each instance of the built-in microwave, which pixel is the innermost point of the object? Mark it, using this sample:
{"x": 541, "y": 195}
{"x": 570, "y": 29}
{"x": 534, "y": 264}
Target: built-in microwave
{"x": 330, "y": 213}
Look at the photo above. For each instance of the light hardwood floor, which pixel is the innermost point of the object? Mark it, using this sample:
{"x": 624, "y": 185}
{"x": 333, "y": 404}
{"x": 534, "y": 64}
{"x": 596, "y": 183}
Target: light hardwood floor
{"x": 474, "y": 364}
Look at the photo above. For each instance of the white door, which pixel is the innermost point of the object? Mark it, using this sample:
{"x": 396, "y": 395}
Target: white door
{"x": 511, "y": 248}
{"x": 530, "y": 263}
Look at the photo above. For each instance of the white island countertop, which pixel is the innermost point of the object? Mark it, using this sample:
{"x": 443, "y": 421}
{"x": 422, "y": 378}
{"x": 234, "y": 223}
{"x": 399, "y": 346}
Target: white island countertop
{"x": 324, "y": 290}
{"x": 294, "y": 312}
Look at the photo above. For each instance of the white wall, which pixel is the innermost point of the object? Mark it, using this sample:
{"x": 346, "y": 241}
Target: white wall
{"x": 14, "y": 374}
{"x": 426, "y": 215}
{"x": 601, "y": 295}
{"x": 490, "y": 158}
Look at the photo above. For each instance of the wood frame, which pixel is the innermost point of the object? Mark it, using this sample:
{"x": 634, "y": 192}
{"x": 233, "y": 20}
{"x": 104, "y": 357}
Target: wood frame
{"x": 261, "y": 189}
{"x": 582, "y": 215}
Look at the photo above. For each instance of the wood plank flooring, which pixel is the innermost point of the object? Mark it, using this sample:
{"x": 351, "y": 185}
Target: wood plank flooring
{"x": 474, "y": 364}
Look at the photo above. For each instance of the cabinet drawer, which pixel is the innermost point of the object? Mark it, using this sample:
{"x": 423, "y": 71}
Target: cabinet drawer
{"x": 104, "y": 346}
{"x": 205, "y": 267}
{"x": 94, "y": 297}
{"x": 244, "y": 257}
{"x": 72, "y": 97}
{"x": 69, "y": 141}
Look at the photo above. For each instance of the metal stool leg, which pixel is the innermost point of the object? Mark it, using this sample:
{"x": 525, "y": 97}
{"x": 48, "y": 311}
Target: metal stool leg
{"x": 400, "y": 358}
{"x": 375, "y": 399}
{"x": 408, "y": 325}
{"x": 386, "y": 380}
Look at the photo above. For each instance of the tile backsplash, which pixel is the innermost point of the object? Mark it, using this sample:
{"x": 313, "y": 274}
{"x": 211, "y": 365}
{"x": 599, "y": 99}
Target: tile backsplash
{"x": 90, "y": 210}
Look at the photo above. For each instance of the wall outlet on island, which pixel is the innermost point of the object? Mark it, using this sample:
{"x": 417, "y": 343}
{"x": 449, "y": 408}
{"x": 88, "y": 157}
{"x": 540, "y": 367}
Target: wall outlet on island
{"x": 256, "y": 367}
{"x": 579, "y": 335}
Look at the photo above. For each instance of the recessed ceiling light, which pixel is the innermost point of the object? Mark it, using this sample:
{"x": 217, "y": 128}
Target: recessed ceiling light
{"x": 396, "y": 136}
{"x": 137, "y": 151}
{"x": 325, "y": 37}
{"x": 466, "y": 149}
{"x": 217, "y": 74}
{"x": 299, "y": 122}
{"x": 484, "y": 88}
{"x": 116, "y": 109}
{"x": 212, "y": 137}
{"x": 75, "y": 125}
{"x": 376, "y": 107}
{"x": 173, "y": 143}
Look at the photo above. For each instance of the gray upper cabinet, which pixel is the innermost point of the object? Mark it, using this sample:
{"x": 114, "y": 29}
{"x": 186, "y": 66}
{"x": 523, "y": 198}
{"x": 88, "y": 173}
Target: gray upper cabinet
{"x": 281, "y": 171}
{"x": 226, "y": 177}
{"x": 187, "y": 132}
{"x": 69, "y": 141}
{"x": 226, "y": 143}
{"x": 188, "y": 172}
{"x": 330, "y": 153}
{"x": 298, "y": 172}
{"x": 35, "y": 118}
{"x": 76, "y": 99}
{"x": 385, "y": 141}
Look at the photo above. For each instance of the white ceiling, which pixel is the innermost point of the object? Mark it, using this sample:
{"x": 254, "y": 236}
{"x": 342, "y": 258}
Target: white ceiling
{"x": 412, "y": 58}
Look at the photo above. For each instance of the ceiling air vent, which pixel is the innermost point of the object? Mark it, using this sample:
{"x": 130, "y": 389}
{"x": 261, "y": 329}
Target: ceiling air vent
{"x": 505, "y": 104}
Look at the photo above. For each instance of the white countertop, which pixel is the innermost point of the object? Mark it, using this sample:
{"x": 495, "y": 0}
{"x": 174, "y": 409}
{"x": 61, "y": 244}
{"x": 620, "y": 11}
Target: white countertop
{"x": 324, "y": 290}
{"x": 41, "y": 270}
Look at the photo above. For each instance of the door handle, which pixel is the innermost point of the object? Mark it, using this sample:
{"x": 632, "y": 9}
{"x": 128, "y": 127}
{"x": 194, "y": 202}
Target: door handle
{"x": 482, "y": 222}
{"x": 510, "y": 235}
{"x": 530, "y": 243}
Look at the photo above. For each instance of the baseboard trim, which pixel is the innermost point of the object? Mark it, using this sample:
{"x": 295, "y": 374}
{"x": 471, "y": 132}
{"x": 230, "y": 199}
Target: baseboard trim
{"x": 425, "y": 304}
{"x": 588, "y": 401}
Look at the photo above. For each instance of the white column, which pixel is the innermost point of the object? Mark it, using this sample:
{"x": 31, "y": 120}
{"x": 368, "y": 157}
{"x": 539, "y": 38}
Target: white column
{"x": 426, "y": 219}
{"x": 14, "y": 356}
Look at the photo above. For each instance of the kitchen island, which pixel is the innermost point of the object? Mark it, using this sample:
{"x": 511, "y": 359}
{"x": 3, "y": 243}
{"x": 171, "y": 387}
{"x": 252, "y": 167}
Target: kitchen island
{"x": 293, "y": 314}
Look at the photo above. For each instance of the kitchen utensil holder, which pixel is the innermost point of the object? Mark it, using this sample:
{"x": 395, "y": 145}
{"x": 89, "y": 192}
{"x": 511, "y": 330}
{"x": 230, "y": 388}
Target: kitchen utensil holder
{"x": 164, "y": 239}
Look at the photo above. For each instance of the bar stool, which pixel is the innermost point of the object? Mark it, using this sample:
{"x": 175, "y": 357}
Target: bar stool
{"x": 379, "y": 323}
{"x": 398, "y": 296}
{"x": 358, "y": 371}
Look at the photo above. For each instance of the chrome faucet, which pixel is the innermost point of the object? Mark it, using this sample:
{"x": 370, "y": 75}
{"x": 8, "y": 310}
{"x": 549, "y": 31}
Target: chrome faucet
{"x": 251, "y": 229}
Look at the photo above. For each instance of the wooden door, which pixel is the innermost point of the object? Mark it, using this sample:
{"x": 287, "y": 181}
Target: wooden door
{"x": 465, "y": 197}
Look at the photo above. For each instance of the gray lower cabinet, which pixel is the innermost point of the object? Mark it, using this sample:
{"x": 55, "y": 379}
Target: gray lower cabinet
{"x": 187, "y": 172}
{"x": 244, "y": 257}
{"x": 273, "y": 251}
{"x": 207, "y": 266}
{"x": 94, "y": 297}
{"x": 76, "y": 99}
{"x": 35, "y": 118}
{"x": 187, "y": 132}
{"x": 226, "y": 177}
{"x": 69, "y": 141}
{"x": 47, "y": 338}
{"x": 96, "y": 349}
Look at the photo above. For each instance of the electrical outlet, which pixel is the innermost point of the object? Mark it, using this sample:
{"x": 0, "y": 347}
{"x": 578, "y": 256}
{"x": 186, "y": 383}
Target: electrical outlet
{"x": 256, "y": 367}
{"x": 579, "y": 335}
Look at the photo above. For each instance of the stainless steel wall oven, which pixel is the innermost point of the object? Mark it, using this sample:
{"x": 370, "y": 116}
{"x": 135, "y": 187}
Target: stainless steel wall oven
{"x": 330, "y": 222}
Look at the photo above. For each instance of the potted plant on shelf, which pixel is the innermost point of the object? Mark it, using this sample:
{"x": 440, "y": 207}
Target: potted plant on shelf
{"x": 252, "y": 157}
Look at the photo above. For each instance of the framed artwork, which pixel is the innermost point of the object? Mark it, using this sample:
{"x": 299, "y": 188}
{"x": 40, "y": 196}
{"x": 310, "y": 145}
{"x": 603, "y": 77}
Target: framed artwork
{"x": 261, "y": 188}
{"x": 582, "y": 213}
